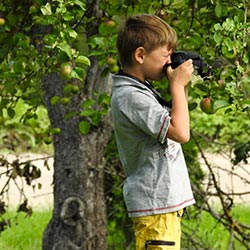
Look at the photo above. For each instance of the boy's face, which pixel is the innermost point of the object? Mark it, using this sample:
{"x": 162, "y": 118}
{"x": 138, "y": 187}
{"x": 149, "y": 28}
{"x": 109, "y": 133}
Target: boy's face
{"x": 154, "y": 62}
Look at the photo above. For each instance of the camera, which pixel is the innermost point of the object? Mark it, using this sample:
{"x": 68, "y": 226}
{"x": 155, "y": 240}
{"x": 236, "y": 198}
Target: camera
{"x": 179, "y": 57}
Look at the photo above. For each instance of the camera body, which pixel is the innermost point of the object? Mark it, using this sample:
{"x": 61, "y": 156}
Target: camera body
{"x": 179, "y": 57}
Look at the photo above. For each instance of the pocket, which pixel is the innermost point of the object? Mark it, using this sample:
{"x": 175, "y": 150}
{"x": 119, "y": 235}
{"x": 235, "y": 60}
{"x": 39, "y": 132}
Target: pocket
{"x": 158, "y": 244}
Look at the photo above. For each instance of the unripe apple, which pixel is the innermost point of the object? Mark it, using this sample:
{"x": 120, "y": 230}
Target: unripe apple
{"x": 29, "y": 114}
{"x": 206, "y": 105}
{"x": 65, "y": 71}
{"x": 48, "y": 140}
{"x": 65, "y": 101}
{"x": 56, "y": 131}
{"x": 162, "y": 13}
{"x": 75, "y": 89}
{"x": 2, "y": 21}
{"x": 175, "y": 22}
{"x": 221, "y": 84}
{"x": 110, "y": 60}
{"x": 114, "y": 68}
{"x": 110, "y": 23}
{"x": 237, "y": 63}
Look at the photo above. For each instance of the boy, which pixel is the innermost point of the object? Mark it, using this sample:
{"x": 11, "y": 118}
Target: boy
{"x": 148, "y": 134}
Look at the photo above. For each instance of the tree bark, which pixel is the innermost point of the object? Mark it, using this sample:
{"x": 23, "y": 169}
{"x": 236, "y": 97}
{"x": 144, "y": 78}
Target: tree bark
{"x": 79, "y": 216}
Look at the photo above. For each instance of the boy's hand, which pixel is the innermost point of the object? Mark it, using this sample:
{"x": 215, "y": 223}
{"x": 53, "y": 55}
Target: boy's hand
{"x": 181, "y": 75}
{"x": 179, "y": 78}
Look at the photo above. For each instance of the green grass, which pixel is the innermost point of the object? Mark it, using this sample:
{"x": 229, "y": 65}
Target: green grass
{"x": 25, "y": 233}
{"x": 214, "y": 234}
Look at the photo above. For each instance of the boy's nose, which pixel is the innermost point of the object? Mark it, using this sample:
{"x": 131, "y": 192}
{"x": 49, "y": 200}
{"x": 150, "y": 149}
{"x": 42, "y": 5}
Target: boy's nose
{"x": 168, "y": 60}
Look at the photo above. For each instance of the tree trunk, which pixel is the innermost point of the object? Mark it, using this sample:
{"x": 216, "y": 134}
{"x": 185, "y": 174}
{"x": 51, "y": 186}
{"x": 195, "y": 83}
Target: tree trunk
{"x": 79, "y": 216}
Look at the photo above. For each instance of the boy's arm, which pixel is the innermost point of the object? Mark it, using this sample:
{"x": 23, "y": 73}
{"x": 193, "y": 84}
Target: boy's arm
{"x": 179, "y": 128}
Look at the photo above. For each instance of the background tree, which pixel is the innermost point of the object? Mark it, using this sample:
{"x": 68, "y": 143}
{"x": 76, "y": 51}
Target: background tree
{"x": 58, "y": 54}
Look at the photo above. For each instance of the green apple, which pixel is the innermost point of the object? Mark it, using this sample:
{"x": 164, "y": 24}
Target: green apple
{"x": 2, "y": 21}
{"x": 47, "y": 140}
{"x": 221, "y": 84}
{"x": 56, "y": 131}
{"x": 175, "y": 22}
{"x": 65, "y": 71}
{"x": 65, "y": 101}
{"x": 75, "y": 89}
{"x": 114, "y": 68}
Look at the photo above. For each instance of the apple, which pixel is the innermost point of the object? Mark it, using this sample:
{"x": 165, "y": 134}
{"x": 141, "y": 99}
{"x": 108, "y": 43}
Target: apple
{"x": 175, "y": 22}
{"x": 56, "y": 131}
{"x": 48, "y": 140}
{"x": 65, "y": 71}
{"x": 75, "y": 89}
{"x": 65, "y": 101}
{"x": 221, "y": 84}
{"x": 206, "y": 105}
{"x": 114, "y": 68}
{"x": 163, "y": 14}
{"x": 110, "y": 23}
{"x": 237, "y": 63}
{"x": 2, "y": 21}
{"x": 29, "y": 114}
{"x": 110, "y": 60}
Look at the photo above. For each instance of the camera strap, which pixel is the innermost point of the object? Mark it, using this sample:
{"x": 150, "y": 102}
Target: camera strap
{"x": 150, "y": 86}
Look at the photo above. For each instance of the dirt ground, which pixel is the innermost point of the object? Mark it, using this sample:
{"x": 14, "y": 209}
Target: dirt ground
{"x": 40, "y": 192}
{"x": 231, "y": 180}
{"x": 43, "y": 198}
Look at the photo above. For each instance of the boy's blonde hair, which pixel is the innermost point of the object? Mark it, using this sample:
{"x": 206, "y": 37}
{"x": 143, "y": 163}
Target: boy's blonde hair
{"x": 146, "y": 31}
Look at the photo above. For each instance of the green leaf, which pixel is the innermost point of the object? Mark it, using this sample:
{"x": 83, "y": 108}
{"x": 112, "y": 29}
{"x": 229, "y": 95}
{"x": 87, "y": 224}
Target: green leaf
{"x": 100, "y": 41}
{"x": 229, "y": 25}
{"x": 46, "y": 9}
{"x": 192, "y": 106}
{"x": 218, "y": 38}
{"x": 54, "y": 100}
{"x": 88, "y": 103}
{"x": 217, "y": 26}
{"x": 65, "y": 48}
{"x": 73, "y": 34}
{"x": 220, "y": 104}
{"x": 84, "y": 127}
{"x": 84, "y": 60}
{"x": 229, "y": 53}
{"x": 96, "y": 118}
{"x": 178, "y": 3}
{"x": 11, "y": 112}
{"x": 202, "y": 87}
{"x": 166, "y": 2}
{"x": 71, "y": 114}
{"x": 88, "y": 112}
{"x": 218, "y": 10}
{"x": 78, "y": 73}
{"x": 80, "y": 4}
{"x": 104, "y": 99}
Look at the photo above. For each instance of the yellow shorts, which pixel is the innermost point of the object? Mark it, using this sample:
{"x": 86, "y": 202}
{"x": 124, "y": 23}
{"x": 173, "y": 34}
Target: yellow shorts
{"x": 158, "y": 232}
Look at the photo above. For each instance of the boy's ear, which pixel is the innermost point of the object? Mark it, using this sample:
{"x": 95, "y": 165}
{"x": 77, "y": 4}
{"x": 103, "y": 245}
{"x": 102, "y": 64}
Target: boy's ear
{"x": 140, "y": 53}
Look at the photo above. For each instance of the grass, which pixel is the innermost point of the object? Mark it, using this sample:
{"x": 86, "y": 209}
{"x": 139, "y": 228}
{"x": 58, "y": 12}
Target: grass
{"x": 25, "y": 233}
{"x": 214, "y": 234}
